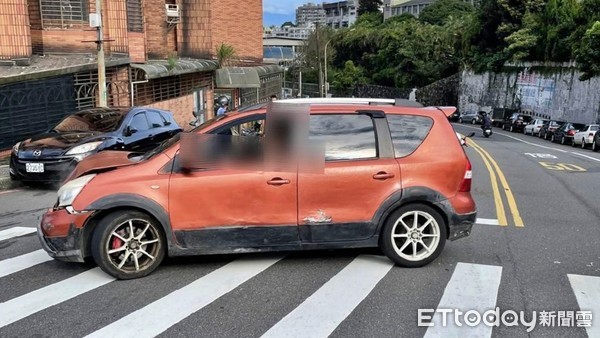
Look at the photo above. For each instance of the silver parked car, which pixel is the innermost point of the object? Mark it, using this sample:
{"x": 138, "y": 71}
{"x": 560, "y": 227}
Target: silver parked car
{"x": 472, "y": 118}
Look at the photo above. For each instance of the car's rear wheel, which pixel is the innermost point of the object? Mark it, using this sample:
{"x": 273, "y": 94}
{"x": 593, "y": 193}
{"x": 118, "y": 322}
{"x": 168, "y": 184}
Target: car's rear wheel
{"x": 512, "y": 129}
{"x": 473, "y": 121}
{"x": 128, "y": 244}
{"x": 594, "y": 147}
{"x": 562, "y": 140}
{"x": 413, "y": 236}
{"x": 582, "y": 144}
{"x": 460, "y": 120}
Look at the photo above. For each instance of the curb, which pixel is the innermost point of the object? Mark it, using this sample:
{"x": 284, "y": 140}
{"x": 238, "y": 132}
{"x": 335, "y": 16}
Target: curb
{"x": 7, "y": 184}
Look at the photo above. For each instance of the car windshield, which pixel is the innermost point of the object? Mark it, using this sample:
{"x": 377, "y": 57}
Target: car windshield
{"x": 91, "y": 121}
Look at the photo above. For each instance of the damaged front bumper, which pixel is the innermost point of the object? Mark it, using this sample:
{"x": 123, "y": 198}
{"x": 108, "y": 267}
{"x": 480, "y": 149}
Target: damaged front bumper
{"x": 61, "y": 235}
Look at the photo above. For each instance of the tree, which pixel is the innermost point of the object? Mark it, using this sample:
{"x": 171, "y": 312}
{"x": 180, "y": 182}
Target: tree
{"x": 369, "y": 6}
{"x": 588, "y": 54}
{"x": 438, "y": 12}
{"x": 288, "y": 23}
{"x": 347, "y": 78}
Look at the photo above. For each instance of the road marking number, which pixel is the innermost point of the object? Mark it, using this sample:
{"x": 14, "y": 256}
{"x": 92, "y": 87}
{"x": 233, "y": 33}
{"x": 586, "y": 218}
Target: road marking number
{"x": 562, "y": 166}
{"x": 538, "y": 155}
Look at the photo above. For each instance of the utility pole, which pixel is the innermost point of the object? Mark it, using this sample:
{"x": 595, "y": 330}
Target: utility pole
{"x": 101, "y": 64}
{"x": 319, "y": 60}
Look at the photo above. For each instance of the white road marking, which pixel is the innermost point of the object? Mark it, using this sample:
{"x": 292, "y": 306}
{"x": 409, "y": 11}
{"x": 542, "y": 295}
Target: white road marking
{"x": 587, "y": 292}
{"x": 321, "y": 313}
{"x": 160, "y": 315}
{"x": 16, "y": 232}
{"x": 472, "y": 287}
{"x": 586, "y": 156}
{"x": 487, "y": 221}
{"x": 15, "y": 264}
{"x": 8, "y": 191}
{"x": 40, "y": 299}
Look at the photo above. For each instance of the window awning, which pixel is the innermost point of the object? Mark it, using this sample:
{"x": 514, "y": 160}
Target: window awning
{"x": 155, "y": 69}
{"x": 237, "y": 77}
{"x": 244, "y": 77}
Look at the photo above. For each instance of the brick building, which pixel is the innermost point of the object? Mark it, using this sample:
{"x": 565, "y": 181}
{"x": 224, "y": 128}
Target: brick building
{"x": 159, "y": 53}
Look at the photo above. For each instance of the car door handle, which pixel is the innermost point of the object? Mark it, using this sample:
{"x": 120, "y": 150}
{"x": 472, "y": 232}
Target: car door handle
{"x": 382, "y": 175}
{"x": 278, "y": 181}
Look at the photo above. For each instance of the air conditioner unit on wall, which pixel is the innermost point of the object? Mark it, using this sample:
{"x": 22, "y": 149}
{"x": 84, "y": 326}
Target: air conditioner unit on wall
{"x": 173, "y": 13}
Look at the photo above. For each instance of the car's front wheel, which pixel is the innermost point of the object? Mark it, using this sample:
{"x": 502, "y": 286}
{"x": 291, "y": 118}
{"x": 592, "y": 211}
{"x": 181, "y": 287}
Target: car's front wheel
{"x": 413, "y": 236}
{"x": 594, "y": 147}
{"x": 460, "y": 120}
{"x": 128, "y": 244}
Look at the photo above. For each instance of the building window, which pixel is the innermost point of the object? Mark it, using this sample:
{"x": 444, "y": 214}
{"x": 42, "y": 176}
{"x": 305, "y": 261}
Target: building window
{"x": 135, "y": 19}
{"x": 64, "y": 14}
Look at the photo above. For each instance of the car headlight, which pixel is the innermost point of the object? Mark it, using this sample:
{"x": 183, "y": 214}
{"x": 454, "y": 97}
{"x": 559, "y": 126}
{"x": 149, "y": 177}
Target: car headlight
{"x": 84, "y": 148}
{"x": 15, "y": 148}
{"x": 68, "y": 192}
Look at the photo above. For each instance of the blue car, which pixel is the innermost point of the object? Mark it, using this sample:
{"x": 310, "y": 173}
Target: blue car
{"x": 51, "y": 156}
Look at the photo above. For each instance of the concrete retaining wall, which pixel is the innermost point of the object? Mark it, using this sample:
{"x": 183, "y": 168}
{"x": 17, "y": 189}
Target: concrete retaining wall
{"x": 556, "y": 94}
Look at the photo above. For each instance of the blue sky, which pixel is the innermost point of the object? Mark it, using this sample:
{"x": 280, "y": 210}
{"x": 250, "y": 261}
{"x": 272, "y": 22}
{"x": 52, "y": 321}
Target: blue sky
{"x": 276, "y": 12}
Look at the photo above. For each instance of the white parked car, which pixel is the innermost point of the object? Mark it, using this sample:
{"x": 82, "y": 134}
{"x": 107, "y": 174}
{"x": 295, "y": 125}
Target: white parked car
{"x": 585, "y": 137}
{"x": 533, "y": 128}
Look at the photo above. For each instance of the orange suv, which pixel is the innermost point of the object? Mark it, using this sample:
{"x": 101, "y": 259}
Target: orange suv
{"x": 394, "y": 176}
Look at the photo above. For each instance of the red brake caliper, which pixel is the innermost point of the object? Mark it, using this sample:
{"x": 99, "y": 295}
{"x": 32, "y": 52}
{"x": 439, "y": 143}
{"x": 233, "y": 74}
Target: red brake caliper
{"x": 116, "y": 243}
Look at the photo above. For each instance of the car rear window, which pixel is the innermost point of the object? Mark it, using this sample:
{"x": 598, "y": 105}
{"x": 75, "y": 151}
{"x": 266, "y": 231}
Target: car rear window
{"x": 408, "y": 132}
{"x": 594, "y": 128}
{"x": 578, "y": 126}
{"x": 345, "y": 136}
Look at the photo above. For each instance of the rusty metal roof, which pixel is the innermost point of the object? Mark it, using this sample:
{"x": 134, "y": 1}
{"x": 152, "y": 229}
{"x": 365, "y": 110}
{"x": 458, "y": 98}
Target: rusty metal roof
{"x": 162, "y": 68}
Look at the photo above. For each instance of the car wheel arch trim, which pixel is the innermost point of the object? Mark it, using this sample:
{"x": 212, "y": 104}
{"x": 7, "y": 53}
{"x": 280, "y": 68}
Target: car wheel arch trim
{"x": 141, "y": 203}
{"x": 413, "y": 195}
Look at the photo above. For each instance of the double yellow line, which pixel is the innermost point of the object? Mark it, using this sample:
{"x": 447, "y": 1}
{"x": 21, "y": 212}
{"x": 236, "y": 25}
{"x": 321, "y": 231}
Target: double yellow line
{"x": 512, "y": 203}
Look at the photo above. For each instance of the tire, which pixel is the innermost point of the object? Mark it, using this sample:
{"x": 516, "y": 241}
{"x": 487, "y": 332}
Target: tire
{"x": 148, "y": 250}
{"x": 594, "y": 146}
{"x": 583, "y": 144}
{"x": 573, "y": 143}
{"x": 436, "y": 239}
{"x": 460, "y": 120}
{"x": 473, "y": 121}
{"x": 512, "y": 129}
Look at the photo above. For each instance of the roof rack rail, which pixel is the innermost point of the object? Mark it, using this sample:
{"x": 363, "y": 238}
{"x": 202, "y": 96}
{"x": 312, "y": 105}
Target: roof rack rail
{"x": 366, "y": 101}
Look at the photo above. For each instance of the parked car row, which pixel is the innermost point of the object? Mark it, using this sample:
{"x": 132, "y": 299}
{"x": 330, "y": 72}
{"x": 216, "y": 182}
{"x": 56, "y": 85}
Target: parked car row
{"x": 575, "y": 134}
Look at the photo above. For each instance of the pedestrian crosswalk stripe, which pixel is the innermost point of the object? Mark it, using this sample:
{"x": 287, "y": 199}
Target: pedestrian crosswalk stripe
{"x": 323, "y": 311}
{"x": 38, "y": 300}
{"x": 160, "y": 315}
{"x": 15, "y": 232}
{"x": 471, "y": 287}
{"x": 587, "y": 292}
{"x": 16, "y": 264}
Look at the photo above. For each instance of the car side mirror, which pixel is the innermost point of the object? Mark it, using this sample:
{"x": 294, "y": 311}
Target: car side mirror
{"x": 130, "y": 130}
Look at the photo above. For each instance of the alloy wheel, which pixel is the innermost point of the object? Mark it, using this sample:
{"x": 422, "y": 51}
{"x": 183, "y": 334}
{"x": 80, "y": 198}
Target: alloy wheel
{"x": 582, "y": 144}
{"x": 133, "y": 245}
{"x": 415, "y": 235}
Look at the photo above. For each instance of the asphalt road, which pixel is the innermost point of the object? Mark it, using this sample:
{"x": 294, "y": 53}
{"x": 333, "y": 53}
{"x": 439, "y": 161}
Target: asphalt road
{"x": 537, "y": 248}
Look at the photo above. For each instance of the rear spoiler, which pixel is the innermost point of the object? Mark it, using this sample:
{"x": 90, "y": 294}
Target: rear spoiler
{"x": 447, "y": 110}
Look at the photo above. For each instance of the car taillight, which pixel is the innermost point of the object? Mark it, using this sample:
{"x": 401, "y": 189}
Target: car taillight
{"x": 466, "y": 183}
{"x": 590, "y": 134}
{"x": 571, "y": 132}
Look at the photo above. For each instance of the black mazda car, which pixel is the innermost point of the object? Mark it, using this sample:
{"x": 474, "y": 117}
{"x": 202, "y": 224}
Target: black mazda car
{"x": 50, "y": 157}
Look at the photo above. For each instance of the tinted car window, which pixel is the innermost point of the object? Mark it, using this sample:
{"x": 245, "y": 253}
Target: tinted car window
{"x": 103, "y": 121}
{"x": 408, "y": 132}
{"x": 594, "y": 128}
{"x": 346, "y": 137}
{"x": 139, "y": 122}
{"x": 578, "y": 126}
{"x": 156, "y": 119}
